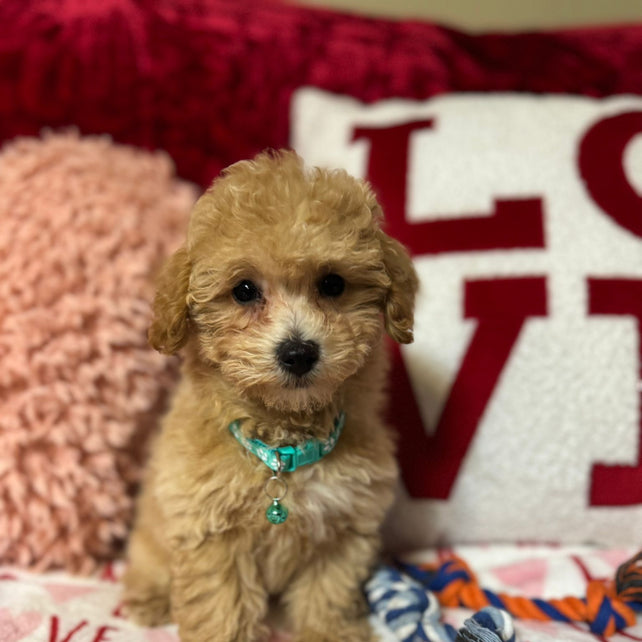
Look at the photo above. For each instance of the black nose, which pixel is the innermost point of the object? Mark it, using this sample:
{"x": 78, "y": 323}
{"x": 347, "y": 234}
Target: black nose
{"x": 297, "y": 356}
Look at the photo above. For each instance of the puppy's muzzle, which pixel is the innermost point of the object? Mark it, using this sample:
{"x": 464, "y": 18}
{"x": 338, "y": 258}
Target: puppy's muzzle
{"x": 296, "y": 356}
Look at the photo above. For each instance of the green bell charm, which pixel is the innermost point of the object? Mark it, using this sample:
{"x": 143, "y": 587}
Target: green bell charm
{"x": 276, "y": 489}
{"x": 276, "y": 513}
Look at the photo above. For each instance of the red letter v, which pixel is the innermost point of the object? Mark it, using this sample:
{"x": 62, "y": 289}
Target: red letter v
{"x": 430, "y": 463}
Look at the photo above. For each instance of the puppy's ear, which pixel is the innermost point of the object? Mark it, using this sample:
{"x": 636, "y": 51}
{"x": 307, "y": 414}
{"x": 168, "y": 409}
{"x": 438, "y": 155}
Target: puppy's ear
{"x": 168, "y": 332}
{"x": 399, "y": 304}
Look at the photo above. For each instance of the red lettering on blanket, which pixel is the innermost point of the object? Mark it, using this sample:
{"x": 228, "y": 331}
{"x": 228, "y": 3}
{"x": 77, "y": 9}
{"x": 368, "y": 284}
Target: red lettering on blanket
{"x": 101, "y": 632}
{"x": 617, "y": 485}
{"x": 513, "y": 223}
{"x": 601, "y": 156}
{"x": 55, "y": 625}
{"x": 431, "y": 459}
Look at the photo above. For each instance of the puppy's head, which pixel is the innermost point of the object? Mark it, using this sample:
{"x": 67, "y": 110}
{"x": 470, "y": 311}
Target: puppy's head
{"x": 284, "y": 280}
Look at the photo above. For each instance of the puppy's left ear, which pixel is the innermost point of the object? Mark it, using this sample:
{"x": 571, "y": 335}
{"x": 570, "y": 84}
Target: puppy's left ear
{"x": 169, "y": 329}
{"x": 399, "y": 305}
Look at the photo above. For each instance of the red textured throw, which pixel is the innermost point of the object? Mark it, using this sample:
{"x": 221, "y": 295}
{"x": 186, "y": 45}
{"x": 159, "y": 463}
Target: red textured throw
{"x": 210, "y": 81}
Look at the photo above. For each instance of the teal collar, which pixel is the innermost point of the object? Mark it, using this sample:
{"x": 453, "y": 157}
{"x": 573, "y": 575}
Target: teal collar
{"x": 290, "y": 457}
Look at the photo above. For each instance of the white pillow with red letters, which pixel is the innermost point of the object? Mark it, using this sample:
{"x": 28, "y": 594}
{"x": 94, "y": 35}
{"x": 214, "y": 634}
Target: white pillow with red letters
{"x": 518, "y": 404}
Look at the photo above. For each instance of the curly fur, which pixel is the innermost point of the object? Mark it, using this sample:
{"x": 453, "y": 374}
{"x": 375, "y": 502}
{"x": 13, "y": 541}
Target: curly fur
{"x": 202, "y": 551}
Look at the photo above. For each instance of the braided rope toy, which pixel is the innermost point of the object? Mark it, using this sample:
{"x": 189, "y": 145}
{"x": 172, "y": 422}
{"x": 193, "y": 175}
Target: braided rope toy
{"x": 609, "y": 606}
{"x": 413, "y": 613}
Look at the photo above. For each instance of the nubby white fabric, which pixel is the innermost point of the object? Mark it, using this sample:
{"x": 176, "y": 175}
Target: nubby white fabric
{"x": 568, "y": 396}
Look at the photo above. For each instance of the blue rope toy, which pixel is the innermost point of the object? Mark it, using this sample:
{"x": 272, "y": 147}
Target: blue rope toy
{"x": 413, "y": 614}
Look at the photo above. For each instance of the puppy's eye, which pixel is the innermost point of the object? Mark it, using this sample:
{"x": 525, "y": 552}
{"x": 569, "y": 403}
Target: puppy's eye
{"x": 331, "y": 285}
{"x": 246, "y": 292}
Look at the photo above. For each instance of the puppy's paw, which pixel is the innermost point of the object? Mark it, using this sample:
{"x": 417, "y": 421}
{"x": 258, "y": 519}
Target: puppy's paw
{"x": 149, "y": 611}
{"x": 227, "y": 629}
{"x": 337, "y": 631}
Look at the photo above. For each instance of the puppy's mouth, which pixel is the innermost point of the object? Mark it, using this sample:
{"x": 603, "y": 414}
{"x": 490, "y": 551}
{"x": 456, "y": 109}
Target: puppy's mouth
{"x": 297, "y": 383}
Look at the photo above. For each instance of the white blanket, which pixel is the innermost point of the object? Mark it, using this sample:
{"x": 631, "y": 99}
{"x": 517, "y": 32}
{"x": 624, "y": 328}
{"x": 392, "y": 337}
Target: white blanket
{"x": 57, "y": 607}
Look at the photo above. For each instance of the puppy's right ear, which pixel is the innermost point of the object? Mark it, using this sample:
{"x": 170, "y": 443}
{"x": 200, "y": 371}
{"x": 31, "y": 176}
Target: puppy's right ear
{"x": 400, "y": 300}
{"x": 168, "y": 332}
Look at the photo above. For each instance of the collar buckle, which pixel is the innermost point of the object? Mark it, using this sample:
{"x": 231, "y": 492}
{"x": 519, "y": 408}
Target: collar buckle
{"x": 289, "y": 458}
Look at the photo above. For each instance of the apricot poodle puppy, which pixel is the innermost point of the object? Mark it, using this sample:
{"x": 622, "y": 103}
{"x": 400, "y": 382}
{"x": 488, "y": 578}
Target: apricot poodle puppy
{"x": 273, "y": 469}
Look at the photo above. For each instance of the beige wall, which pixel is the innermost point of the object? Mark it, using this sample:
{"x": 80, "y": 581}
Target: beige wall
{"x": 499, "y": 14}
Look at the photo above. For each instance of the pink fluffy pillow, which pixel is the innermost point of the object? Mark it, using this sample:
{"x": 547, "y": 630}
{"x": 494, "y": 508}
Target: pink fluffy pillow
{"x": 85, "y": 224}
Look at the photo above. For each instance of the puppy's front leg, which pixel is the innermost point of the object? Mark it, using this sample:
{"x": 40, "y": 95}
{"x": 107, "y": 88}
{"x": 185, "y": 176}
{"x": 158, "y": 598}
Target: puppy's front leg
{"x": 217, "y": 594}
{"x": 326, "y": 601}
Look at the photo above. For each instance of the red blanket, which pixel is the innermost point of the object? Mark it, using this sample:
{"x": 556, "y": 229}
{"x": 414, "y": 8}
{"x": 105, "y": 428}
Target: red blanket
{"x": 210, "y": 81}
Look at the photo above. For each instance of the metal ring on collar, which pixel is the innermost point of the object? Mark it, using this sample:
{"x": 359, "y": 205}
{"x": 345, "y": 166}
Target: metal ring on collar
{"x": 283, "y": 488}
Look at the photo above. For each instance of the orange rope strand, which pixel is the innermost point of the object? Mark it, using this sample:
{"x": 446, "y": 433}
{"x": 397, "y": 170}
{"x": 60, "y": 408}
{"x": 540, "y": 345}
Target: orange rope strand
{"x": 605, "y": 607}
